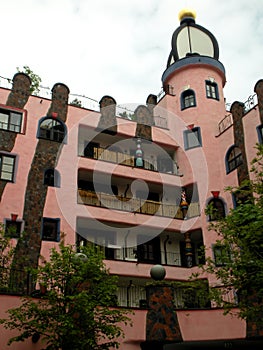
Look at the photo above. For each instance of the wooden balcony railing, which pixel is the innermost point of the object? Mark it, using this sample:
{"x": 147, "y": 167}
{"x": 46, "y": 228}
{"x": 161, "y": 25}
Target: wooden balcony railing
{"x": 135, "y": 205}
{"x": 149, "y": 163}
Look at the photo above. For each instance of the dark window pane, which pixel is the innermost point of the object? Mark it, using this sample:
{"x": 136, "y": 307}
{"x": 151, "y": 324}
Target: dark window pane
{"x": 50, "y": 229}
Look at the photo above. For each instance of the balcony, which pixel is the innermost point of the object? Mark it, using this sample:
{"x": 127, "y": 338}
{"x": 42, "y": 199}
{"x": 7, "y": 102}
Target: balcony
{"x": 136, "y": 205}
{"x": 154, "y": 163}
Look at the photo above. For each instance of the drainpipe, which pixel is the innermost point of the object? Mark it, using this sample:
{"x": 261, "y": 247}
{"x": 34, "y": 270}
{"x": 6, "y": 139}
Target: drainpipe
{"x": 165, "y": 249}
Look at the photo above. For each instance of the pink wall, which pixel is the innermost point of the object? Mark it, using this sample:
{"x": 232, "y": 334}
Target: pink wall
{"x": 194, "y": 325}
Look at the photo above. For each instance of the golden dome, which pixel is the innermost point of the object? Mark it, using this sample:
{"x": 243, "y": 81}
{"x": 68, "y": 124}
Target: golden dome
{"x": 186, "y": 12}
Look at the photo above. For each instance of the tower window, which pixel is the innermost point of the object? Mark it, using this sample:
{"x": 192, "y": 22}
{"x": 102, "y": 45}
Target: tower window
{"x": 188, "y": 99}
{"x": 233, "y": 159}
{"x": 50, "y": 229}
{"x": 10, "y": 120}
{"x": 192, "y": 138}
{"x": 211, "y": 90}
{"x": 7, "y": 167}
{"x": 218, "y": 209}
{"x": 51, "y": 129}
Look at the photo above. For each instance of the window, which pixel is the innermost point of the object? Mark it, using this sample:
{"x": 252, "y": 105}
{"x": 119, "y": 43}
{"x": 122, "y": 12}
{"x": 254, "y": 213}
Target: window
{"x": 10, "y": 120}
{"x": 222, "y": 255}
{"x": 192, "y": 138}
{"x": 51, "y": 229}
{"x": 7, "y": 167}
{"x": 51, "y": 178}
{"x": 148, "y": 251}
{"x": 211, "y": 90}
{"x": 260, "y": 133}
{"x": 51, "y": 129}
{"x": 217, "y": 209}
{"x": 233, "y": 159}
{"x": 188, "y": 99}
{"x": 13, "y": 228}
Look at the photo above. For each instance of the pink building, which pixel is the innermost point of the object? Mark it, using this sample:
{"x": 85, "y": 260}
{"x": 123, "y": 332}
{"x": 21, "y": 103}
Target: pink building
{"x": 135, "y": 184}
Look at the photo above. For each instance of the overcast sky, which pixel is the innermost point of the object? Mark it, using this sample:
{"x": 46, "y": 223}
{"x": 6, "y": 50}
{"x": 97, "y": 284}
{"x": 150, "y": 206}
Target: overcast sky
{"x": 120, "y": 48}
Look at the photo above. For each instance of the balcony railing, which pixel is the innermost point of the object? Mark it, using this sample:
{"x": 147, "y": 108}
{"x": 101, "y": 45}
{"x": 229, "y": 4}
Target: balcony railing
{"x": 17, "y": 282}
{"x": 129, "y": 160}
{"x": 135, "y": 205}
{"x": 225, "y": 123}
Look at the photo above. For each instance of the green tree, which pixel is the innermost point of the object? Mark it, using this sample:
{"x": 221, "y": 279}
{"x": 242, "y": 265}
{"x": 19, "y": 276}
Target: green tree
{"x": 76, "y": 103}
{"x": 35, "y": 79}
{"x": 238, "y": 262}
{"x": 6, "y": 255}
{"x": 72, "y": 311}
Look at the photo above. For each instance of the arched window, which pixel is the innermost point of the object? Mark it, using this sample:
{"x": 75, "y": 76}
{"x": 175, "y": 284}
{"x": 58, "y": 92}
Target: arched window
{"x": 52, "y": 129}
{"x": 233, "y": 158}
{"x": 52, "y": 178}
{"x": 217, "y": 209}
{"x": 188, "y": 99}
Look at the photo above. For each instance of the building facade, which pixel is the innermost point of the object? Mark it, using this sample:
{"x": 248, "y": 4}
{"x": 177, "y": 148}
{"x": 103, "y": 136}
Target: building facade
{"x": 136, "y": 184}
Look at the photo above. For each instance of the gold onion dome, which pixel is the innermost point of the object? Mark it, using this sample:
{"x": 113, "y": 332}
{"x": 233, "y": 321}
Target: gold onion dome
{"x": 186, "y": 12}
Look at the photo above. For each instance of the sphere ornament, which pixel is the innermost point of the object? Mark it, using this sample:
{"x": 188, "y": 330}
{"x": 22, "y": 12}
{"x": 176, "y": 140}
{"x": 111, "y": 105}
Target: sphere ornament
{"x": 186, "y": 12}
{"x": 158, "y": 272}
{"x": 80, "y": 257}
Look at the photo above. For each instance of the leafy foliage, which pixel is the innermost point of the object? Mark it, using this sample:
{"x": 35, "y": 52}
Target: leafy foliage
{"x": 76, "y": 103}
{"x": 239, "y": 266}
{"x": 35, "y": 79}
{"x": 6, "y": 255}
{"x": 72, "y": 310}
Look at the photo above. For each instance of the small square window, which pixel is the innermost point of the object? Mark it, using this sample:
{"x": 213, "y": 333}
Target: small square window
{"x": 13, "y": 228}
{"x": 11, "y": 120}
{"x": 7, "y": 167}
{"x": 51, "y": 229}
{"x": 222, "y": 255}
{"x": 192, "y": 138}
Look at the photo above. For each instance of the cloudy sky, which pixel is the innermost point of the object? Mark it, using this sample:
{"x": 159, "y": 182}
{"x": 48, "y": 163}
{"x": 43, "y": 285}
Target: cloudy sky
{"x": 120, "y": 47}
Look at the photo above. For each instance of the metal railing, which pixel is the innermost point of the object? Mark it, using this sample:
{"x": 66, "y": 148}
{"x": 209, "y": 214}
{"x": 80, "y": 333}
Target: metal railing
{"x": 225, "y": 123}
{"x": 17, "y": 282}
{"x": 136, "y": 205}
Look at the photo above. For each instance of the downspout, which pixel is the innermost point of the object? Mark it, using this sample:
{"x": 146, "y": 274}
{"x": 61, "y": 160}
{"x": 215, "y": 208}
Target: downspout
{"x": 165, "y": 249}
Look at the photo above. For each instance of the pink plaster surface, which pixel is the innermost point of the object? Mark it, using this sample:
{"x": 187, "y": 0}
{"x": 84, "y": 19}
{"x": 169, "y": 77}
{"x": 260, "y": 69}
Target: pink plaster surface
{"x": 194, "y": 325}
{"x": 210, "y": 324}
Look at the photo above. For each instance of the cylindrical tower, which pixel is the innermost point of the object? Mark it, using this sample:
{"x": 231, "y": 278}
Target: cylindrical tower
{"x": 194, "y": 104}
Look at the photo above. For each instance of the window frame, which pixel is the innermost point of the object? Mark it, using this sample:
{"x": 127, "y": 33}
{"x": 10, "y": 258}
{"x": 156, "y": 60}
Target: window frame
{"x": 19, "y": 227}
{"x": 40, "y": 132}
{"x": 221, "y": 249}
{"x": 237, "y": 160}
{"x": 7, "y": 155}
{"x": 55, "y": 181}
{"x": 45, "y": 237}
{"x": 197, "y": 131}
{"x": 260, "y": 133}
{"x": 6, "y": 110}
{"x": 211, "y": 89}
{"x": 189, "y": 97}
{"x": 215, "y": 216}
